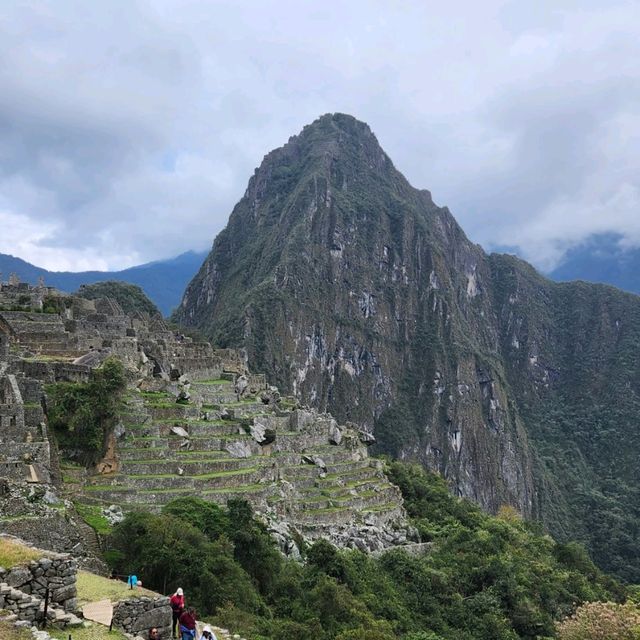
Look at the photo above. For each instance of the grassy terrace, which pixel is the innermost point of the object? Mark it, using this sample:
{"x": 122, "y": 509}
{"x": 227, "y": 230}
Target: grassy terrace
{"x": 243, "y": 488}
{"x": 105, "y": 487}
{"x": 195, "y": 460}
{"x": 92, "y": 515}
{"x": 204, "y": 476}
{"x": 92, "y": 588}
{"x": 327, "y": 510}
{"x": 12, "y": 553}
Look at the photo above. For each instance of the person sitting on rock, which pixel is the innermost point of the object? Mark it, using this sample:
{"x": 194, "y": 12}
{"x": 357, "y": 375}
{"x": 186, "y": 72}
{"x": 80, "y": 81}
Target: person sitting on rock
{"x": 188, "y": 624}
{"x": 207, "y": 634}
{"x": 177, "y": 608}
{"x": 153, "y": 634}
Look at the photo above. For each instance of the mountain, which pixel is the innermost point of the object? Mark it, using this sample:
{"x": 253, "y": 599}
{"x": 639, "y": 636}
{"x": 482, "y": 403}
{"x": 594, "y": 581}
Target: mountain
{"x": 602, "y": 259}
{"x": 163, "y": 281}
{"x": 355, "y": 291}
{"x": 130, "y": 297}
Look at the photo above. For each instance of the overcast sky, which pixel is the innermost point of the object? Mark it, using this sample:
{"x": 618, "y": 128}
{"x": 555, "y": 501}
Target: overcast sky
{"x": 128, "y": 130}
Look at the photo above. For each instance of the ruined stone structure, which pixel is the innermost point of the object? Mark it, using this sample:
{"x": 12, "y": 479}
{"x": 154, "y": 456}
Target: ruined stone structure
{"x": 24, "y": 588}
{"x": 195, "y": 422}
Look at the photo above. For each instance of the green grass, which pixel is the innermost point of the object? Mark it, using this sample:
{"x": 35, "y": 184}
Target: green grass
{"x": 9, "y": 632}
{"x": 205, "y": 476}
{"x": 105, "y": 487}
{"x": 327, "y": 510}
{"x": 94, "y": 632}
{"x": 93, "y": 516}
{"x": 92, "y": 588}
{"x": 12, "y": 553}
{"x": 381, "y": 508}
{"x": 218, "y": 381}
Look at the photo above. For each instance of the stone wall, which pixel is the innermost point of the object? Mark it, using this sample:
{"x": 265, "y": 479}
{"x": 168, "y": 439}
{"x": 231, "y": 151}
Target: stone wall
{"x": 138, "y": 615}
{"x": 56, "y": 572}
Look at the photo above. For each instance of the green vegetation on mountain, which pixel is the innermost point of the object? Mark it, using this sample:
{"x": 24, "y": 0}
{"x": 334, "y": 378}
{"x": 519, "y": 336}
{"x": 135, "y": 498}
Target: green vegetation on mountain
{"x": 129, "y": 296}
{"x": 82, "y": 415}
{"x": 484, "y": 578}
{"x": 353, "y": 290}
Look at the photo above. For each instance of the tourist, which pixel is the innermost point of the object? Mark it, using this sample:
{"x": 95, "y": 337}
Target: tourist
{"x": 153, "y": 634}
{"x": 177, "y": 608}
{"x": 188, "y": 624}
{"x": 207, "y": 634}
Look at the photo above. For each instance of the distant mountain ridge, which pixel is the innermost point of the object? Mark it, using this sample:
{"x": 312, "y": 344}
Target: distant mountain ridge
{"x": 602, "y": 259}
{"x": 599, "y": 260}
{"x": 163, "y": 281}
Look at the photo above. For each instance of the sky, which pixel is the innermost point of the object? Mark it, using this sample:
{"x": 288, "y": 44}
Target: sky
{"x": 129, "y": 129}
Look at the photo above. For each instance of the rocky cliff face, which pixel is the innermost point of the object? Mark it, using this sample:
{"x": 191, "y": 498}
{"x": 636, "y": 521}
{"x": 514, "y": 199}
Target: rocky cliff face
{"x": 353, "y": 290}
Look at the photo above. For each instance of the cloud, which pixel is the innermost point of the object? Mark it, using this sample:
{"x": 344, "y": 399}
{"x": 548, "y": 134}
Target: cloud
{"x": 128, "y": 129}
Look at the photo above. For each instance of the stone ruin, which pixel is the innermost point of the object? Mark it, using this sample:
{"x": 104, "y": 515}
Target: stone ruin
{"x": 195, "y": 422}
{"x": 25, "y": 587}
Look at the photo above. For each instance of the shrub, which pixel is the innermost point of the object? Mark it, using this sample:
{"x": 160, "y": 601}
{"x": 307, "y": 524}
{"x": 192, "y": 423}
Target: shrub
{"x": 602, "y": 621}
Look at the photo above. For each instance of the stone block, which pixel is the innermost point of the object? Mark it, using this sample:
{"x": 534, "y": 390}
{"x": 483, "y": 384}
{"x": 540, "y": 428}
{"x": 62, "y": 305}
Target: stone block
{"x": 64, "y": 593}
{"x": 18, "y": 577}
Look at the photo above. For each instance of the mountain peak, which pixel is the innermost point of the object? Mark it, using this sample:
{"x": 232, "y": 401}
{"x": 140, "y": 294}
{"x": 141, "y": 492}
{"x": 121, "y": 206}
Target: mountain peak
{"x": 339, "y": 123}
{"x": 337, "y": 146}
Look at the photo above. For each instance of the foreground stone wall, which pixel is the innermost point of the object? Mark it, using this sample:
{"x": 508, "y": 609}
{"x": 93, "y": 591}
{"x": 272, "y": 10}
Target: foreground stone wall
{"x": 57, "y": 572}
{"x": 138, "y": 615}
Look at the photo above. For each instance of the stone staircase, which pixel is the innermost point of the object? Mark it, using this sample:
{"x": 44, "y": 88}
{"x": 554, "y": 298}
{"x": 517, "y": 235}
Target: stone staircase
{"x": 307, "y": 471}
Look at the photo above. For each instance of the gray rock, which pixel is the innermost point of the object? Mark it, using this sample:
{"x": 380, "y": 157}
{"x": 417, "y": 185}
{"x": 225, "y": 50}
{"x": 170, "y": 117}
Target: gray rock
{"x": 239, "y": 449}
{"x": 119, "y": 431}
{"x": 335, "y": 433}
{"x": 366, "y": 437}
{"x": 258, "y": 430}
{"x": 18, "y": 576}
{"x": 241, "y": 385}
{"x": 179, "y": 431}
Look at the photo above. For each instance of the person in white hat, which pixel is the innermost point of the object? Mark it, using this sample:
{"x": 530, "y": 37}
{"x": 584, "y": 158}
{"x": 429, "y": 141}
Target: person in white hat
{"x": 177, "y": 607}
{"x": 207, "y": 634}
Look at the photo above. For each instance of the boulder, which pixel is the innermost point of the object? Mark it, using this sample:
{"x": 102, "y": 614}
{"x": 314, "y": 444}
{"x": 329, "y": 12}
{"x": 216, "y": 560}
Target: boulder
{"x": 258, "y": 430}
{"x": 335, "y": 433}
{"x": 179, "y": 431}
{"x": 241, "y": 385}
{"x": 366, "y": 437}
{"x": 239, "y": 449}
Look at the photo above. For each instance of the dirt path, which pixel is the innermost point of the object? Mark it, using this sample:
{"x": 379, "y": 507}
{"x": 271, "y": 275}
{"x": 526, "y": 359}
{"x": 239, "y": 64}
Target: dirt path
{"x": 100, "y": 612}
